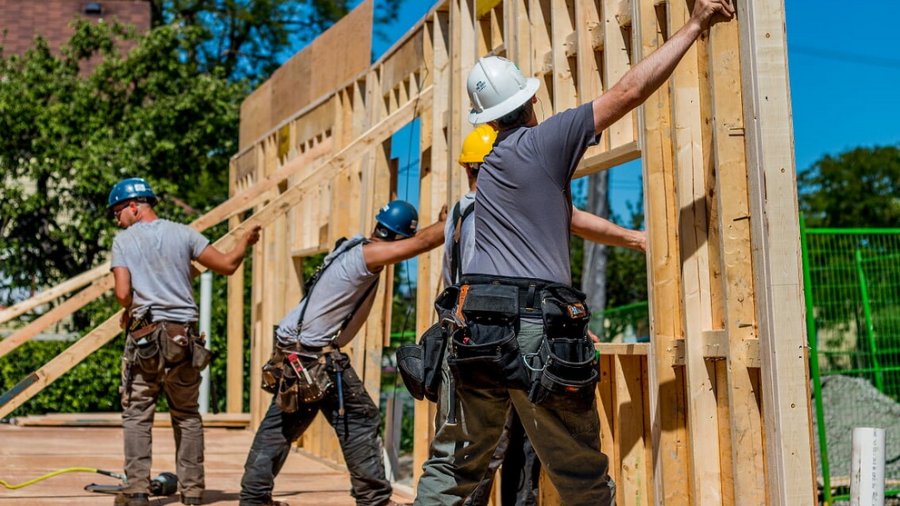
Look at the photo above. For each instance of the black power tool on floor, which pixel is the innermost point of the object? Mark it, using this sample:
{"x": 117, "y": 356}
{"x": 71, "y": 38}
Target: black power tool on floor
{"x": 165, "y": 484}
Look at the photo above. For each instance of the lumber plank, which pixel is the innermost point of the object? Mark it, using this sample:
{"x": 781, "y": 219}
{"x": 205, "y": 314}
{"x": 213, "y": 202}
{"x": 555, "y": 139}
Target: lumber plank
{"x": 616, "y": 62}
{"x": 565, "y": 69}
{"x": 690, "y": 156}
{"x": 234, "y": 338}
{"x": 72, "y": 304}
{"x": 589, "y": 69}
{"x": 630, "y": 438}
{"x": 745, "y": 414}
{"x": 777, "y": 272}
{"x": 55, "y": 292}
{"x": 666, "y": 398}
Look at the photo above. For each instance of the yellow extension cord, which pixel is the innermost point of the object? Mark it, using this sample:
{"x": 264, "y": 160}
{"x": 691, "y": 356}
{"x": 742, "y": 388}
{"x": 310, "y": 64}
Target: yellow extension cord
{"x": 61, "y": 471}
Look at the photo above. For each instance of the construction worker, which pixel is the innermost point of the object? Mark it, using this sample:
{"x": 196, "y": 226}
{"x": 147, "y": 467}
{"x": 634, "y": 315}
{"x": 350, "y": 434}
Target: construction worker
{"x": 151, "y": 264}
{"x": 521, "y": 334}
{"x": 514, "y": 455}
{"x": 308, "y": 364}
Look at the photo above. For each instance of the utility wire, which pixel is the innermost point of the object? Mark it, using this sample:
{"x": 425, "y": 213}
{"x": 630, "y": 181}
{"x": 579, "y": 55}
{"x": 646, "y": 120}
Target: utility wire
{"x": 829, "y": 54}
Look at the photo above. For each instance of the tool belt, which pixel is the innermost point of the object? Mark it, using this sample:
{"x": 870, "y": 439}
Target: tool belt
{"x": 483, "y": 352}
{"x": 297, "y": 374}
{"x": 151, "y": 347}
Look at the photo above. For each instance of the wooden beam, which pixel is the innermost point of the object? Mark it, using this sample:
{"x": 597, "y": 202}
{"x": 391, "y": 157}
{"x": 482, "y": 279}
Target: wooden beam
{"x": 736, "y": 283}
{"x": 55, "y": 292}
{"x": 667, "y": 397}
{"x": 74, "y": 303}
{"x": 777, "y": 272}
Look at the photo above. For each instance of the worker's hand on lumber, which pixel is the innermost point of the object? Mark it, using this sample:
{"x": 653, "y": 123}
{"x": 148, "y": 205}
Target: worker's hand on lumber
{"x": 442, "y": 217}
{"x": 251, "y": 236}
{"x": 125, "y": 319}
{"x": 707, "y": 12}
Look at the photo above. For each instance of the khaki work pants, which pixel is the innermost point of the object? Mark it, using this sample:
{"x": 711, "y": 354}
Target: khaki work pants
{"x": 181, "y": 383}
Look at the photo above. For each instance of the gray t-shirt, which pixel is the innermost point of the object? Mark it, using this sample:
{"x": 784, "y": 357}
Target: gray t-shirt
{"x": 466, "y": 238}
{"x": 158, "y": 257}
{"x": 333, "y": 298}
{"x": 523, "y": 205}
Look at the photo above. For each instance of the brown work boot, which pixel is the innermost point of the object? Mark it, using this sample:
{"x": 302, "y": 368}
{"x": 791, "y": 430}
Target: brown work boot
{"x": 132, "y": 500}
{"x": 191, "y": 500}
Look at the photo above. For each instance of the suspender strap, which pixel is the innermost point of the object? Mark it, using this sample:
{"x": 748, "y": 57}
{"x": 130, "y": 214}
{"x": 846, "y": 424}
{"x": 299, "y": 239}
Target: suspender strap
{"x": 347, "y": 246}
{"x": 455, "y": 250}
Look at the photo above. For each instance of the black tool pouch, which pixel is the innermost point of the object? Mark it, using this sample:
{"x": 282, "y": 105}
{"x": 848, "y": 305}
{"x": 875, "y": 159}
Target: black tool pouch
{"x": 566, "y": 366}
{"x": 420, "y": 364}
{"x": 485, "y": 352}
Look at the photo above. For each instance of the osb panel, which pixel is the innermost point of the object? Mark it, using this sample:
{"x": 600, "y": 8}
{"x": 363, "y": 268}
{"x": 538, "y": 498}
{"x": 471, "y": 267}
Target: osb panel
{"x": 325, "y": 64}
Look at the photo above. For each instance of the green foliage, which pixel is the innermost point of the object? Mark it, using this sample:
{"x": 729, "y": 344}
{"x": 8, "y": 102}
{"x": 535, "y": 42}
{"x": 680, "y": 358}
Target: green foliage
{"x": 856, "y": 188}
{"x": 249, "y": 39}
{"x": 69, "y": 135}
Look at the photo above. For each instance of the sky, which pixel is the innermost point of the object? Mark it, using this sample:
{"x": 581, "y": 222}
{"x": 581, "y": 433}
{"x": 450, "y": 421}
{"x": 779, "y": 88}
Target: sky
{"x": 844, "y": 64}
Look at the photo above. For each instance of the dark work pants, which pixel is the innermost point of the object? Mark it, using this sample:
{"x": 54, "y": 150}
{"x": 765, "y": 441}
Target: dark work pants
{"x": 360, "y": 443}
{"x": 520, "y": 469}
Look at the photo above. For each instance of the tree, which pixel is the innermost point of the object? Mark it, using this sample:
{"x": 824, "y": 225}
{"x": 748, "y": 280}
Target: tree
{"x": 856, "y": 188}
{"x": 251, "y": 38}
{"x": 69, "y": 135}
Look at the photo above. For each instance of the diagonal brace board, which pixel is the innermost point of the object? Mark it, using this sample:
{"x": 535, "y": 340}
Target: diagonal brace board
{"x": 72, "y": 356}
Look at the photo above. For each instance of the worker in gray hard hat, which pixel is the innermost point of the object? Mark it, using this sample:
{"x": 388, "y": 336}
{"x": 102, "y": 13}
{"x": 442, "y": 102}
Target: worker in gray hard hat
{"x": 309, "y": 374}
{"x": 151, "y": 264}
{"x": 515, "y": 298}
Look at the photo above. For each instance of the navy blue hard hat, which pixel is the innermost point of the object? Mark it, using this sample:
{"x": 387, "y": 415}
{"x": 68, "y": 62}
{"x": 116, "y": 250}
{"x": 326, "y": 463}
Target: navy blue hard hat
{"x": 399, "y": 217}
{"x": 131, "y": 188}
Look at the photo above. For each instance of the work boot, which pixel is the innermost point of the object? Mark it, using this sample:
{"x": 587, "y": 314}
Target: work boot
{"x": 132, "y": 500}
{"x": 191, "y": 500}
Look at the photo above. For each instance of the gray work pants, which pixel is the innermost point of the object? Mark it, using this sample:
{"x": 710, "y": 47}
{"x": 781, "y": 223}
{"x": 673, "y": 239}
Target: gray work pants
{"x": 357, "y": 432}
{"x": 567, "y": 443}
{"x": 181, "y": 384}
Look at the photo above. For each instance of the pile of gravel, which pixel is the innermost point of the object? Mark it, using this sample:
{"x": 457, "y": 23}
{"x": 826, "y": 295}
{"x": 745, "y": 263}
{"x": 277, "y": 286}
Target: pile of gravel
{"x": 853, "y": 402}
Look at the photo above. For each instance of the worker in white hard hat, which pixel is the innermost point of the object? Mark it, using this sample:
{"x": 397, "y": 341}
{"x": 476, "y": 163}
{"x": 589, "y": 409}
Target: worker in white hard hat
{"x": 519, "y": 337}
{"x": 514, "y": 455}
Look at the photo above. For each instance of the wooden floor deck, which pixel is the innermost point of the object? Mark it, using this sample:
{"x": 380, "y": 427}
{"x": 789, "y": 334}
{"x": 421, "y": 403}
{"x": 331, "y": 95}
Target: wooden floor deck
{"x": 29, "y": 452}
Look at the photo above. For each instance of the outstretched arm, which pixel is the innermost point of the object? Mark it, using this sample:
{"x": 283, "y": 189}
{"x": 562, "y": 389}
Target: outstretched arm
{"x": 596, "y": 229}
{"x": 644, "y": 78}
{"x": 227, "y": 263}
{"x": 381, "y": 253}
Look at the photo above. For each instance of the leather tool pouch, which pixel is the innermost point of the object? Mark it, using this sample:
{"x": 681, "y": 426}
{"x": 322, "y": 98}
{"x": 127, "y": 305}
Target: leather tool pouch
{"x": 145, "y": 348}
{"x": 420, "y": 364}
{"x": 200, "y": 356}
{"x": 565, "y": 367}
{"x": 485, "y": 352}
{"x": 303, "y": 382}
{"x": 175, "y": 343}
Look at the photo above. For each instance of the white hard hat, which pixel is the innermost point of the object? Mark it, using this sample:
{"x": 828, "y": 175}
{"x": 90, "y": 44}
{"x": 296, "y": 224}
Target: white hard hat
{"x": 496, "y": 88}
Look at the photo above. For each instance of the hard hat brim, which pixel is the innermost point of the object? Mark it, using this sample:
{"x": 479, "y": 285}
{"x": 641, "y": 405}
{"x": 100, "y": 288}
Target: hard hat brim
{"x": 507, "y": 106}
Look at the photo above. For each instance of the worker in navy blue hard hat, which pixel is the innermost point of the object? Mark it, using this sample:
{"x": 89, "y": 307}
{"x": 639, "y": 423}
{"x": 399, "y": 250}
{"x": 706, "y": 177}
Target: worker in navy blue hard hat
{"x": 337, "y": 302}
{"x": 151, "y": 264}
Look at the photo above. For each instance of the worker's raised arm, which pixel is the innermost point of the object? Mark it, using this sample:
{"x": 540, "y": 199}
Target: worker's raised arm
{"x": 602, "y": 231}
{"x": 378, "y": 254}
{"x": 644, "y": 78}
{"x": 227, "y": 263}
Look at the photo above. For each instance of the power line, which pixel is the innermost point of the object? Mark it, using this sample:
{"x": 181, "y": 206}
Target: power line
{"x": 830, "y": 54}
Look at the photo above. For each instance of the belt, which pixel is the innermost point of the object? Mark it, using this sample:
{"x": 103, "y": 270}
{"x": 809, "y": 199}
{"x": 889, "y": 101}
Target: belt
{"x": 302, "y": 348}
{"x": 144, "y": 327}
{"x": 529, "y": 289}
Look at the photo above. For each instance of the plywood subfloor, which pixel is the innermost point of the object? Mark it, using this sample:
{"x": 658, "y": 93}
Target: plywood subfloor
{"x": 29, "y": 452}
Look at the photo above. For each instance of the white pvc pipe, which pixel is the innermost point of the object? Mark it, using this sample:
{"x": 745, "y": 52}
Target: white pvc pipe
{"x": 205, "y": 318}
{"x": 867, "y": 467}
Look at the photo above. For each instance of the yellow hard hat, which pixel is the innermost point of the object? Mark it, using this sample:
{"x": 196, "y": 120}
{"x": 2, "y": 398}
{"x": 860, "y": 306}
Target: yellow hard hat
{"x": 477, "y": 145}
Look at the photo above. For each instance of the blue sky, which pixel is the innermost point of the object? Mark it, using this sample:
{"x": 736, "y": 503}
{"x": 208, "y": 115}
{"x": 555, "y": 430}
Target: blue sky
{"x": 844, "y": 63}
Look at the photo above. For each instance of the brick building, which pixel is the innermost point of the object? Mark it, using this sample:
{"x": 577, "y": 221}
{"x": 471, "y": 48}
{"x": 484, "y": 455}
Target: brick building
{"x": 22, "y": 20}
